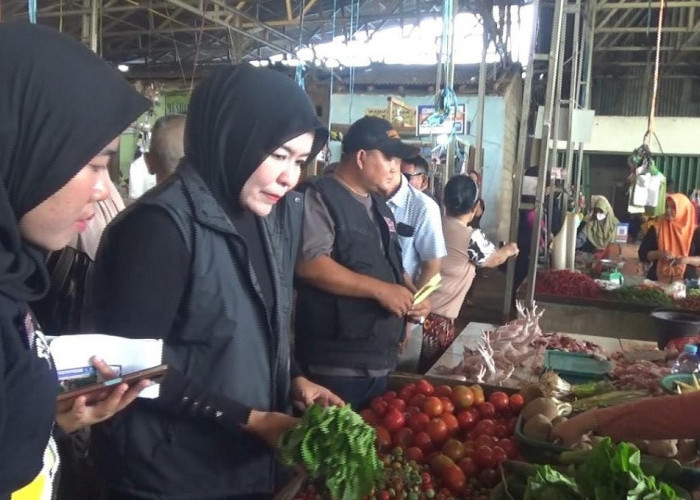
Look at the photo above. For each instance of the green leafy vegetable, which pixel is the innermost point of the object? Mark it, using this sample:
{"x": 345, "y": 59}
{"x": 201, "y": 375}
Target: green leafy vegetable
{"x": 611, "y": 472}
{"x": 336, "y": 445}
{"x": 549, "y": 484}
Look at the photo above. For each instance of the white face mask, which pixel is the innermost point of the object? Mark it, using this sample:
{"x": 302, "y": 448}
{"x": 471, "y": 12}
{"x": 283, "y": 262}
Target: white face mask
{"x": 600, "y": 216}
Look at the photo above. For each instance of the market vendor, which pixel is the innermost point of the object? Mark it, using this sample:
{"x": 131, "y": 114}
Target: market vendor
{"x": 672, "y": 247}
{"x": 467, "y": 249}
{"x": 597, "y": 231}
{"x": 667, "y": 417}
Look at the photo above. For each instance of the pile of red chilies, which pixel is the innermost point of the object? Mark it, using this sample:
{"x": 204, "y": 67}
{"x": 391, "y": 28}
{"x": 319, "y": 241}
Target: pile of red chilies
{"x": 567, "y": 283}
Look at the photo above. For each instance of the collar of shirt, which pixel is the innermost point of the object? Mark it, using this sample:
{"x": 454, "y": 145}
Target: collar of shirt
{"x": 401, "y": 196}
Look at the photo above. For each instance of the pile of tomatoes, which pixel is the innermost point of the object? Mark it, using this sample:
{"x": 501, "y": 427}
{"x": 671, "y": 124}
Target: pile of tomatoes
{"x": 461, "y": 434}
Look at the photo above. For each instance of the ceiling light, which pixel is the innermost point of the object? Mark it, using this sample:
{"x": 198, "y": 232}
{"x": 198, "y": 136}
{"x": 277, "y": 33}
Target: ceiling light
{"x": 123, "y": 68}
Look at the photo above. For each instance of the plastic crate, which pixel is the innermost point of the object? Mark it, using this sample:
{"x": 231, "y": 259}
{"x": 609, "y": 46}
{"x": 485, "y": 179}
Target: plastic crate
{"x": 576, "y": 367}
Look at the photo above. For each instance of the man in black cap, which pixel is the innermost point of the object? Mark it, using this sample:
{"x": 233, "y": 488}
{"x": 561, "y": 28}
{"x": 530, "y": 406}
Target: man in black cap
{"x": 352, "y": 300}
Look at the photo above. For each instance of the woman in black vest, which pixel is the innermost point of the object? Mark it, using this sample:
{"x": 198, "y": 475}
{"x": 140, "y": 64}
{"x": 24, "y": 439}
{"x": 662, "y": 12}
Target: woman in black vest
{"x": 204, "y": 261}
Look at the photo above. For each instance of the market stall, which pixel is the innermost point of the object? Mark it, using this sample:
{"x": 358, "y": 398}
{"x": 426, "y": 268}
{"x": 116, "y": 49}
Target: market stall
{"x": 479, "y": 424}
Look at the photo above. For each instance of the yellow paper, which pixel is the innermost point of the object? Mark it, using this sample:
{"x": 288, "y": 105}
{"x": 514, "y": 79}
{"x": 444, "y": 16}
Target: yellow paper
{"x": 427, "y": 289}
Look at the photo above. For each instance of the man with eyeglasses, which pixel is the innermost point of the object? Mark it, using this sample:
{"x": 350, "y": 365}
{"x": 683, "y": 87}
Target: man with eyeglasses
{"x": 416, "y": 171}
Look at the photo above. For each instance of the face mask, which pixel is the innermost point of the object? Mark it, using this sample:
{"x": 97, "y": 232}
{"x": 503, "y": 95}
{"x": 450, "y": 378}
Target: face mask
{"x": 600, "y": 216}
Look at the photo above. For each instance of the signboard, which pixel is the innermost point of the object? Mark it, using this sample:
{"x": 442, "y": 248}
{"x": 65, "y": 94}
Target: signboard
{"x": 425, "y": 112}
{"x": 378, "y": 112}
{"x": 176, "y": 103}
{"x": 622, "y": 232}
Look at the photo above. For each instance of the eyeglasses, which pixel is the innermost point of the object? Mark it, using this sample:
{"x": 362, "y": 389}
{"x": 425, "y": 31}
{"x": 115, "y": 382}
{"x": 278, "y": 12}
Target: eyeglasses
{"x": 411, "y": 176}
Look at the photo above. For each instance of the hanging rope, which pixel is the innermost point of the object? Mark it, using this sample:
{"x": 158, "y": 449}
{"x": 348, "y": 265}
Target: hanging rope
{"x": 299, "y": 75}
{"x": 655, "y": 83}
{"x": 31, "y": 8}
{"x": 354, "y": 22}
{"x": 330, "y": 86}
{"x": 445, "y": 97}
{"x": 199, "y": 45}
{"x": 172, "y": 35}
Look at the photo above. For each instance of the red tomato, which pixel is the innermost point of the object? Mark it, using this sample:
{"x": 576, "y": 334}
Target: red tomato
{"x": 501, "y": 431}
{"x": 462, "y": 397}
{"x": 384, "y": 495}
{"x": 393, "y": 420}
{"x": 516, "y": 402}
{"x": 451, "y": 421}
{"x": 425, "y": 387}
{"x": 422, "y": 440}
{"x": 466, "y": 419}
{"x": 488, "y": 478}
{"x": 443, "y": 391}
{"x": 440, "y": 462}
{"x": 499, "y": 454}
{"x": 415, "y": 453}
{"x": 403, "y": 438}
{"x": 437, "y": 430}
{"x": 416, "y": 400}
{"x": 499, "y": 400}
{"x": 468, "y": 448}
{"x": 407, "y": 391}
{"x": 478, "y": 392}
{"x": 447, "y": 406}
{"x": 412, "y": 410}
{"x": 454, "y": 449}
{"x": 472, "y": 434}
{"x": 388, "y": 396}
{"x": 486, "y": 410}
{"x": 484, "y": 440}
{"x": 383, "y": 439}
{"x": 508, "y": 446}
{"x": 453, "y": 477}
{"x": 510, "y": 425}
{"x": 418, "y": 422}
{"x": 468, "y": 466}
{"x": 379, "y": 406}
{"x": 486, "y": 426}
{"x": 397, "y": 403}
{"x": 432, "y": 406}
{"x": 369, "y": 417}
{"x": 484, "y": 458}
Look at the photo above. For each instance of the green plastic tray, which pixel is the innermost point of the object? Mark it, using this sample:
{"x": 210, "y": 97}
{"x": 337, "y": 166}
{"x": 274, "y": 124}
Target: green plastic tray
{"x": 576, "y": 367}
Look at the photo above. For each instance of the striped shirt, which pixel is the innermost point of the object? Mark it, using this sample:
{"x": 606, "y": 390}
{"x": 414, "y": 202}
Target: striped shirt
{"x": 422, "y": 240}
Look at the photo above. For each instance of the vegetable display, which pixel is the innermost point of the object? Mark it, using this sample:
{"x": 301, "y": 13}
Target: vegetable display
{"x": 614, "y": 471}
{"x": 433, "y": 442}
{"x": 334, "y": 444}
{"x": 642, "y": 294}
{"x": 567, "y": 283}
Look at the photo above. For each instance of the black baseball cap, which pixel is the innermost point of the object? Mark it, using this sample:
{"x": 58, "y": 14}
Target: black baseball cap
{"x": 372, "y": 132}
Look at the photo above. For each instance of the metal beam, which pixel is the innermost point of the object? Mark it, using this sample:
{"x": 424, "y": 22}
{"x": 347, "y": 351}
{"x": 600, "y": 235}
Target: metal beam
{"x": 650, "y": 30}
{"x": 647, "y": 49}
{"x": 673, "y": 4}
{"x": 209, "y": 16}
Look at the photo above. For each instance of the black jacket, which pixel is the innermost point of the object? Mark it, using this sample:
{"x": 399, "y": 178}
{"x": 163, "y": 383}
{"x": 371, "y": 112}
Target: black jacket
{"x": 349, "y": 332}
{"x": 28, "y": 389}
{"x": 223, "y": 340}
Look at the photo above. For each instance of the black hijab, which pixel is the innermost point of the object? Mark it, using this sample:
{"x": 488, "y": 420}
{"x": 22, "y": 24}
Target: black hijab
{"x": 237, "y": 118}
{"x": 60, "y": 104}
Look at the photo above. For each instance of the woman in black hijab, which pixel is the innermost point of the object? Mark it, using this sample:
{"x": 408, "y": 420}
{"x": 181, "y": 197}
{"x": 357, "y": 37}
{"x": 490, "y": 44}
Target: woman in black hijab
{"x": 61, "y": 110}
{"x": 205, "y": 261}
